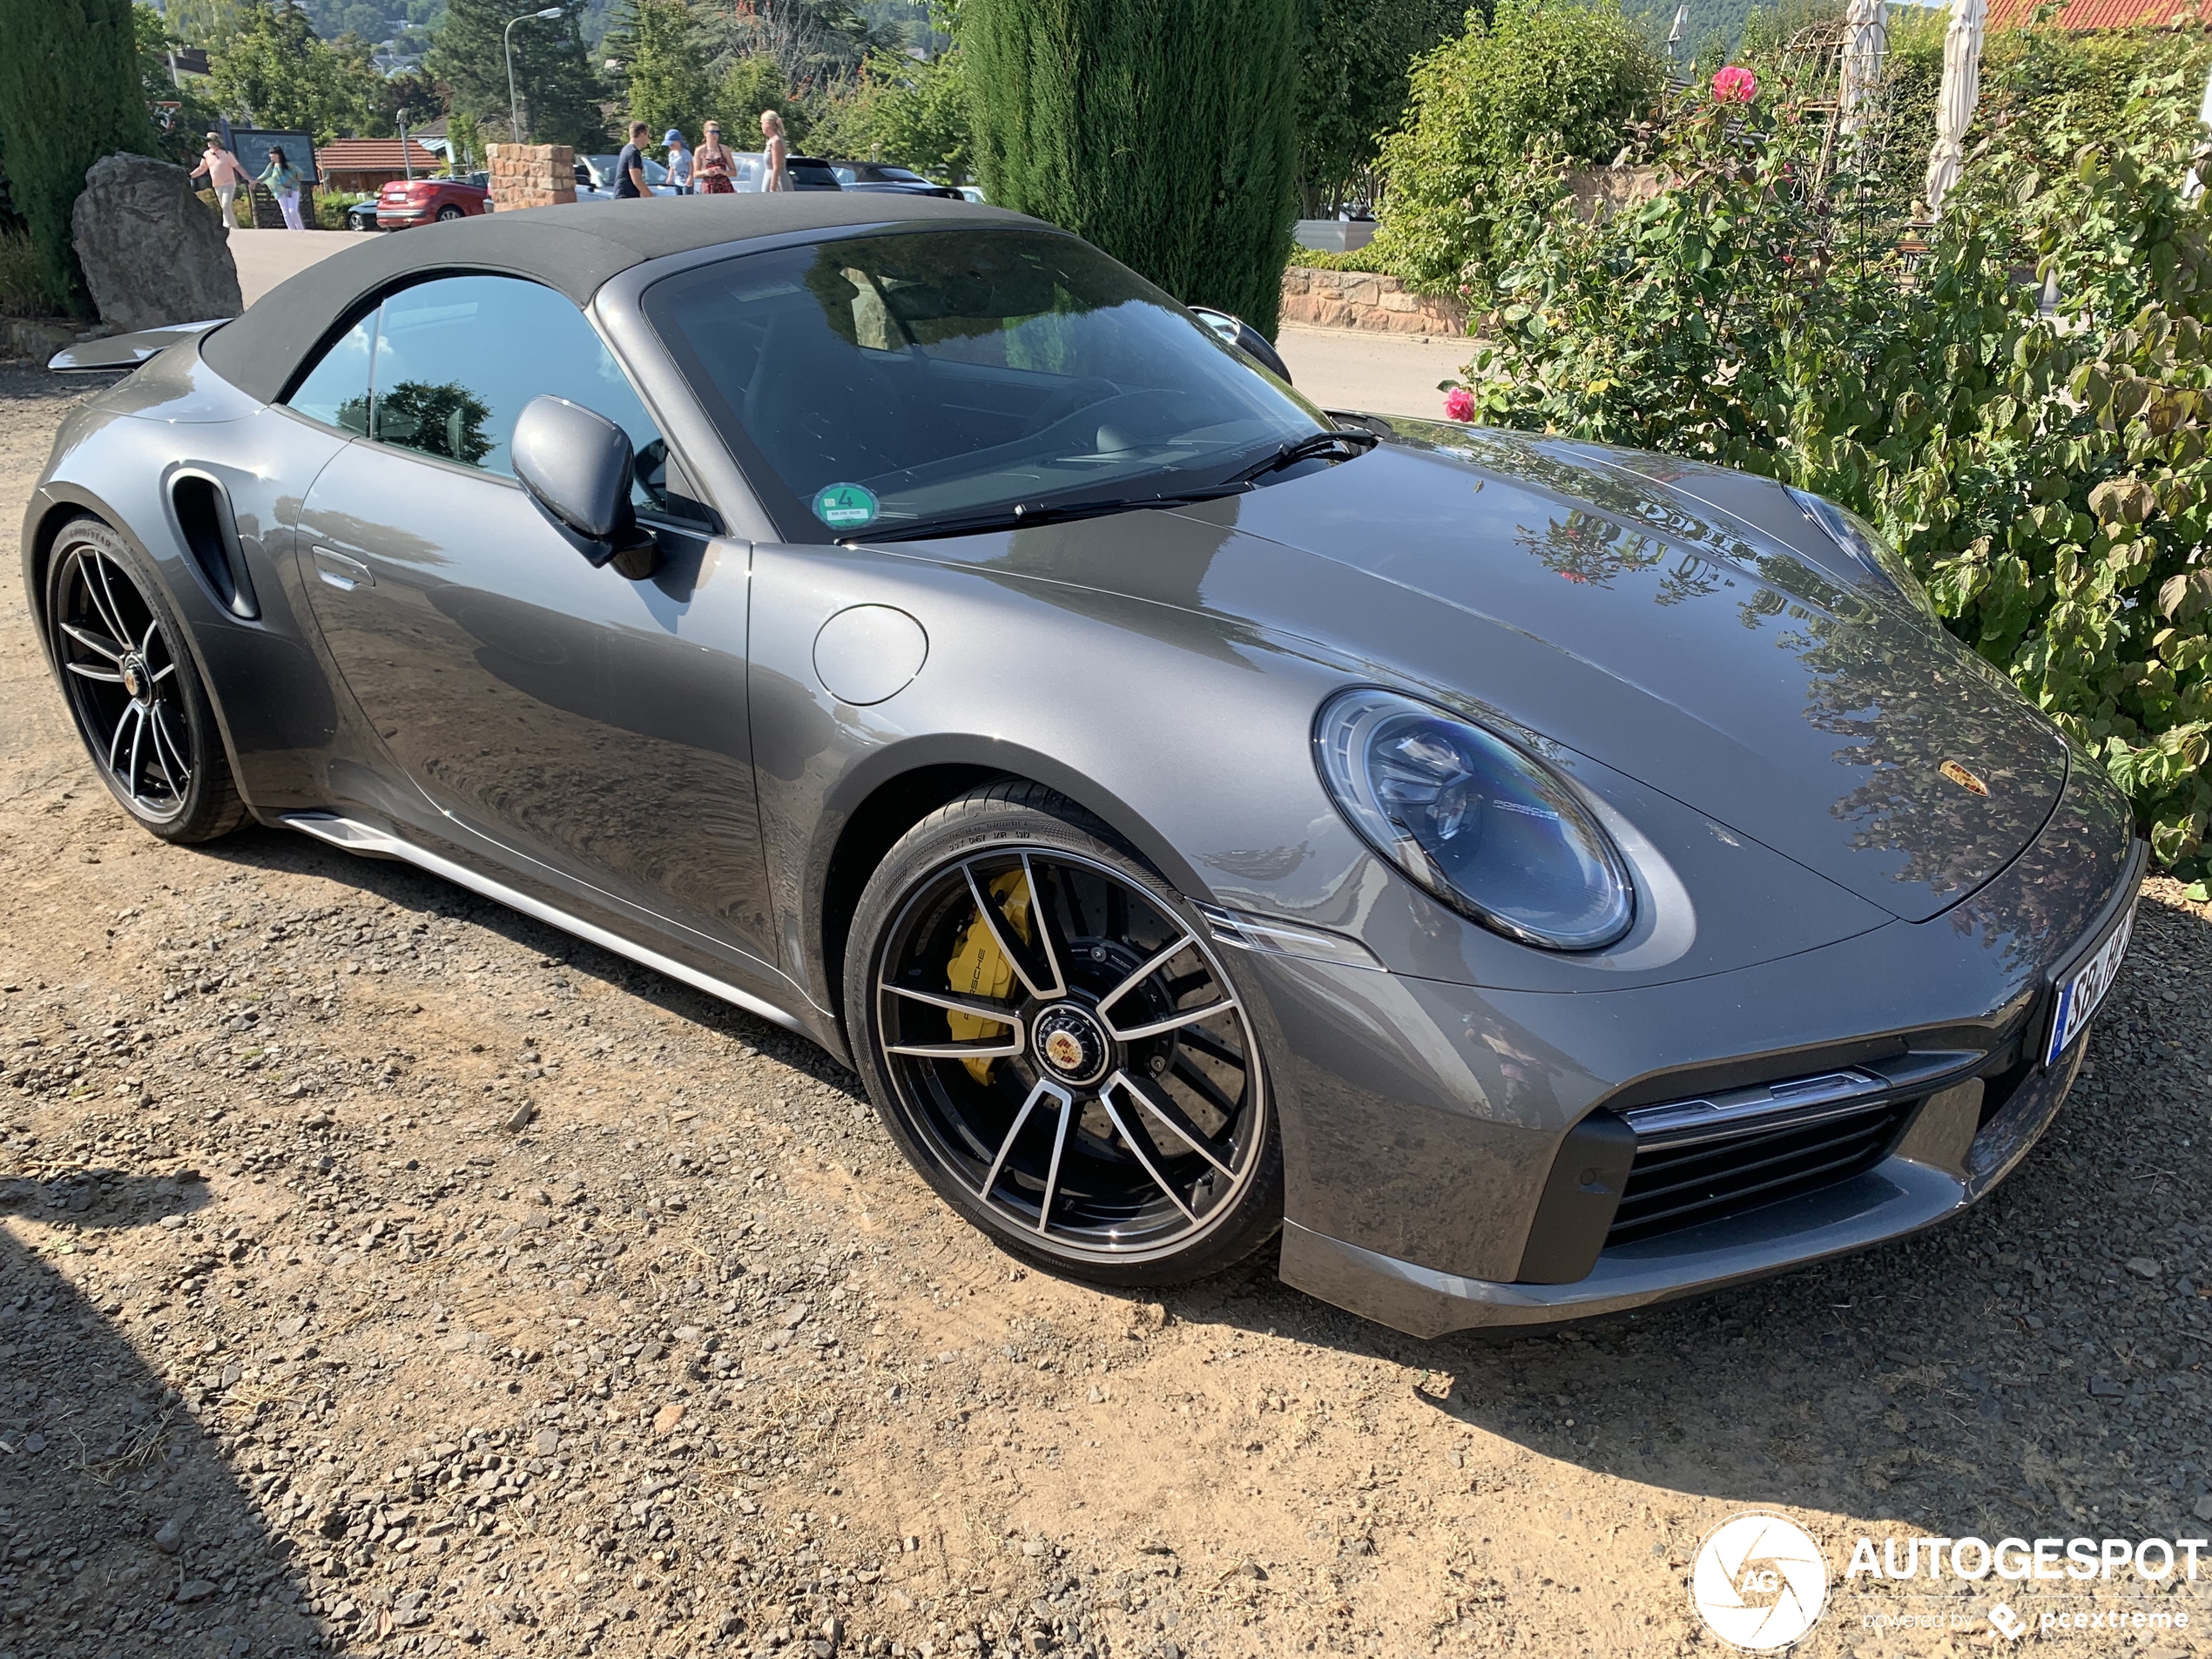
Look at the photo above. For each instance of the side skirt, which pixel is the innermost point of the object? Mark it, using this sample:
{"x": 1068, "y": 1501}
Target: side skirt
{"x": 366, "y": 839}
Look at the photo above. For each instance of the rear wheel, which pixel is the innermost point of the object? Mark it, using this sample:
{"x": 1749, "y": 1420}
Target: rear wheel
{"x": 133, "y": 691}
{"x": 450, "y": 212}
{"x": 1057, "y": 1048}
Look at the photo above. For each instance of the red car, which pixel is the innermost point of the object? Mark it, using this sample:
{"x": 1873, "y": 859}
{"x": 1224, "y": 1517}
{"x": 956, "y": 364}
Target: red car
{"x": 419, "y": 201}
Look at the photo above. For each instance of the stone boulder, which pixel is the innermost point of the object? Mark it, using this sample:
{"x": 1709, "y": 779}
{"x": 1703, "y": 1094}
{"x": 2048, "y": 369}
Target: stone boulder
{"x": 152, "y": 252}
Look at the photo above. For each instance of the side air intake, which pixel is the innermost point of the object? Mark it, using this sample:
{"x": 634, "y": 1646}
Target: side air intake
{"x": 203, "y": 510}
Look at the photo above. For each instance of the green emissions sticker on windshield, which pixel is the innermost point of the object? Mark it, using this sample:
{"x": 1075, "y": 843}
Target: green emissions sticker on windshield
{"x": 845, "y": 507}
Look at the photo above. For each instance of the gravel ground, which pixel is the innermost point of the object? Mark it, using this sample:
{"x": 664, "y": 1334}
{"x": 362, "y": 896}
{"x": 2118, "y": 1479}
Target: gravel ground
{"x": 381, "y": 1269}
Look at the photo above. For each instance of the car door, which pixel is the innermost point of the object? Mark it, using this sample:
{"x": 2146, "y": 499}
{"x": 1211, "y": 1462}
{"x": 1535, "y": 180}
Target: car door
{"x": 589, "y": 723}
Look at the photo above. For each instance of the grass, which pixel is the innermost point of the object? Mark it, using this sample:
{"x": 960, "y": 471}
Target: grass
{"x": 23, "y": 283}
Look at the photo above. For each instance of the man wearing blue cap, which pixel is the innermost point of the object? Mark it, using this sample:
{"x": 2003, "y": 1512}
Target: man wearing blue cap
{"x": 679, "y": 162}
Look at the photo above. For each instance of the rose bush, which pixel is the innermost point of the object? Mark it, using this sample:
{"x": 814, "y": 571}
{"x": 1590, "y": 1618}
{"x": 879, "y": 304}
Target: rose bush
{"x": 2046, "y": 473}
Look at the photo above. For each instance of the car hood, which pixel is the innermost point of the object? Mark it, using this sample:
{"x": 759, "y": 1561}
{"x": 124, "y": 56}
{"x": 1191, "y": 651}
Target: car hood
{"x": 1608, "y": 614}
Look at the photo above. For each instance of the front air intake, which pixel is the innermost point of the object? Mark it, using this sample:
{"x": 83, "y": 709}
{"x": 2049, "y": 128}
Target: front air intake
{"x": 209, "y": 532}
{"x": 1674, "y": 1186}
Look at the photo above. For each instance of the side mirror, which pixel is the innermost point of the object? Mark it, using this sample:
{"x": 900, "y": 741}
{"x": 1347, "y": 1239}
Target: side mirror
{"x": 1235, "y": 331}
{"x": 577, "y": 465}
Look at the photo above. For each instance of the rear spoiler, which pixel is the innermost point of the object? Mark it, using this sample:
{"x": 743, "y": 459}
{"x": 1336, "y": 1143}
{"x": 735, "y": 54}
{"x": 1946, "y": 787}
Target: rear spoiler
{"x": 111, "y": 351}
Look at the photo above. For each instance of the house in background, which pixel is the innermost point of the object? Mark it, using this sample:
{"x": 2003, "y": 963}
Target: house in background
{"x": 366, "y": 166}
{"x": 2083, "y": 16}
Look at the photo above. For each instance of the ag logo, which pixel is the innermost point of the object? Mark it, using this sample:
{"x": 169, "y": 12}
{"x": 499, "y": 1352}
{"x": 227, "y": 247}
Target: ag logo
{"x": 1759, "y": 1582}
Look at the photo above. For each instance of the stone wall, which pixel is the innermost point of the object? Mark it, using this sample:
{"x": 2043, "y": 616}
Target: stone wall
{"x": 531, "y": 175}
{"x": 1363, "y": 300}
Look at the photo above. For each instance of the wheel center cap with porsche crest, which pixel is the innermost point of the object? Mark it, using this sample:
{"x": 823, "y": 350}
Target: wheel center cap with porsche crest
{"x": 136, "y": 680}
{"x": 1070, "y": 1044}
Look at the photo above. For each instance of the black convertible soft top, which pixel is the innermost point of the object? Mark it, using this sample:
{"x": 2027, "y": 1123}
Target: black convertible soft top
{"x": 574, "y": 247}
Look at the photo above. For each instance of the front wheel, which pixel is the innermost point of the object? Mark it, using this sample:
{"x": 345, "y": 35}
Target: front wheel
{"x": 1057, "y": 1048}
{"x": 133, "y": 691}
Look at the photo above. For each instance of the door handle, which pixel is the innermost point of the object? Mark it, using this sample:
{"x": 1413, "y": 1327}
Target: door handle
{"x": 343, "y": 573}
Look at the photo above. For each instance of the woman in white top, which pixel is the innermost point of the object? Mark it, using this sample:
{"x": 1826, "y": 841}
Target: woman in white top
{"x": 772, "y": 129}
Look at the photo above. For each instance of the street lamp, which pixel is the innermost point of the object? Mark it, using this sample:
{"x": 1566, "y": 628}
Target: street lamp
{"x": 506, "y": 45}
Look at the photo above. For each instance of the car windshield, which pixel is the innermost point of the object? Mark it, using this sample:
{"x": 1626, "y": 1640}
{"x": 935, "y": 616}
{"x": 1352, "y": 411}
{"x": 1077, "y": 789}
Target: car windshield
{"x": 897, "y": 380}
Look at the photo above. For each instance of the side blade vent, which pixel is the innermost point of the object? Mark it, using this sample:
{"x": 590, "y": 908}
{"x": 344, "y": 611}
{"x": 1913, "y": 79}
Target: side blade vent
{"x": 203, "y": 508}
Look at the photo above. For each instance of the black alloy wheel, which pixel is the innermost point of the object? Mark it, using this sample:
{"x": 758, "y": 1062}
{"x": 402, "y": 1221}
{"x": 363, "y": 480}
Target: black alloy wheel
{"x": 137, "y": 700}
{"x": 1059, "y": 1050}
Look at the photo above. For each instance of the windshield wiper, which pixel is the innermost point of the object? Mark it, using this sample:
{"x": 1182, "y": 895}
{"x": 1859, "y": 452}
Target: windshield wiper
{"x": 1027, "y": 514}
{"x": 1307, "y": 449}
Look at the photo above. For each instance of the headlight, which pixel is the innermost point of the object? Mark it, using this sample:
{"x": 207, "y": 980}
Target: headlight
{"x": 1491, "y": 831}
{"x": 1864, "y": 543}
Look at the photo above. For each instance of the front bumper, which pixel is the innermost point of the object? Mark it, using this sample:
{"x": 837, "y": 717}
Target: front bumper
{"x": 1435, "y": 1134}
{"x": 1936, "y": 1171}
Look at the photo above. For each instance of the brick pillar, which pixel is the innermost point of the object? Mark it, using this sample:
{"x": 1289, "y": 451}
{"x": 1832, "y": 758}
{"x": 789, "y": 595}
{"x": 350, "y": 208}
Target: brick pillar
{"x": 531, "y": 175}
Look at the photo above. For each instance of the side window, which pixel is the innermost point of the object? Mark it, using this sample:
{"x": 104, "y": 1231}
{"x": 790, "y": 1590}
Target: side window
{"x": 456, "y": 359}
{"x": 336, "y": 389}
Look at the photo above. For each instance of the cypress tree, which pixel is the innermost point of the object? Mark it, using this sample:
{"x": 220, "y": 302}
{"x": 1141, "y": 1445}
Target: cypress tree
{"x": 1164, "y": 131}
{"x": 69, "y": 95}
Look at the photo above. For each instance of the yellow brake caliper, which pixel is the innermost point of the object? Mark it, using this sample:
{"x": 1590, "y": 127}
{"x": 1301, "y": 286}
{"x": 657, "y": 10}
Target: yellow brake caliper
{"x": 979, "y": 967}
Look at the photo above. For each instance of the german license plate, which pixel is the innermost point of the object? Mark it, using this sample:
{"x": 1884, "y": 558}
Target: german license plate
{"x": 2081, "y": 990}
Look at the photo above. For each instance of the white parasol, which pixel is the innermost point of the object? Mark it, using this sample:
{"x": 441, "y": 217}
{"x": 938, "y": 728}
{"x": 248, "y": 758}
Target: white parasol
{"x": 1955, "y": 98}
{"x": 1866, "y": 42}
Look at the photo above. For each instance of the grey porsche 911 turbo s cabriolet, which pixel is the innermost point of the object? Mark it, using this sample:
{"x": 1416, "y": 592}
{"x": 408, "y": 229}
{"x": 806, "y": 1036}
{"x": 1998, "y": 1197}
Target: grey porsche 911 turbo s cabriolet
{"x": 1514, "y": 878}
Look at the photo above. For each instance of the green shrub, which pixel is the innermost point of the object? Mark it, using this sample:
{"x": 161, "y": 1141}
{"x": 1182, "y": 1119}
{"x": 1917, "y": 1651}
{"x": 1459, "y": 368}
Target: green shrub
{"x": 1548, "y": 74}
{"x": 331, "y": 205}
{"x": 1362, "y": 258}
{"x": 24, "y": 290}
{"x": 1166, "y": 133}
{"x": 2050, "y": 485}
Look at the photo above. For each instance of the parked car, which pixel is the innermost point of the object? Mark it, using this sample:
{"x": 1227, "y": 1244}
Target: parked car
{"x": 406, "y": 202}
{"x": 807, "y": 172}
{"x": 595, "y": 179}
{"x": 1507, "y": 877}
{"x": 972, "y": 193}
{"x": 361, "y": 216}
{"x": 888, "y": 180}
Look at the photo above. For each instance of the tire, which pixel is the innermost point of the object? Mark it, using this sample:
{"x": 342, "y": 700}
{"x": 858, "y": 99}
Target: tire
{"x": 450, "y": 212}
{"x": 138, "y": 702}
{"x": 1078, "y": 1073}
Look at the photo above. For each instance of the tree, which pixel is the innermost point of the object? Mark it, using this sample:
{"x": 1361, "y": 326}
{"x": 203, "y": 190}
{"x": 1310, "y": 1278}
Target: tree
{"x": 1166, "y": 133}
{"x": 750, "y": 86}
{"x": 1550, "y": 74}
{"x": 274, "y": 72}
{"x": 912, "y": 113}
{"x": 178, "y": 130}
{"x": 70, "y": 94}
{"x": 663, "y": 73}
{"x": 554, "y": 82}
{"x": 1355, "y": 62}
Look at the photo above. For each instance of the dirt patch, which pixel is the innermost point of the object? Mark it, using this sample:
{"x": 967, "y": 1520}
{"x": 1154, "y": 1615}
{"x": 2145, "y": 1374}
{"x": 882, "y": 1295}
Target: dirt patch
{"x": 381, "y": 1269}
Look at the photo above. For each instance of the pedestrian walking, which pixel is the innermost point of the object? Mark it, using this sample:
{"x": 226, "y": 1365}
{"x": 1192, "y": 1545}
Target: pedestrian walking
{"x": 713, "y": 165}
{"x": 772, "y": 129}
{"x": 224, "y": 176}
{"x": 679, "y": 162}
{"x": 630, "y": 165}
{"x": 282, "y": 181}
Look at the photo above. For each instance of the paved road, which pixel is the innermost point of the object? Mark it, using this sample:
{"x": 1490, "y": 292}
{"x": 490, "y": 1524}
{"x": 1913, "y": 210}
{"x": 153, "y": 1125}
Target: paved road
{"x": 265, "y": 258}
{"x": 1348, "y": 369}
{"x": 1342, "y": 369}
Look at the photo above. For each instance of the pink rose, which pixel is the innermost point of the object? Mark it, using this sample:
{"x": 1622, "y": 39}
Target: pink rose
{"x": 1735, "y": 85}
{"x": 1458, "y": 405}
